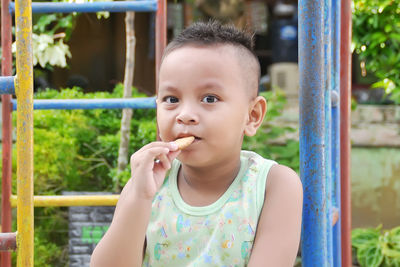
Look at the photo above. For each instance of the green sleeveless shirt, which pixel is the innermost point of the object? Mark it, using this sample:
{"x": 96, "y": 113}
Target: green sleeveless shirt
{"x": 220, "y": 234}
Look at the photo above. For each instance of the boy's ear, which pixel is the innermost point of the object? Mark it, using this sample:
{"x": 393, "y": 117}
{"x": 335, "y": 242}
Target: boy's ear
{"x": 257, "y": 112}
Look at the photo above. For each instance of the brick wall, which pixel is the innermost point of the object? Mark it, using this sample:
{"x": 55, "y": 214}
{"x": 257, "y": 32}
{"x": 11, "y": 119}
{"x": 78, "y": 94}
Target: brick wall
{"x": 87, "y": 225}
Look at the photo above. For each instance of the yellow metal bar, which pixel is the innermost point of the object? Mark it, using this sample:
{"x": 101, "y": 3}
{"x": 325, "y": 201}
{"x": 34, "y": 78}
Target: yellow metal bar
{"x": 24, "y": 92}
{"x": 78, "y": 200}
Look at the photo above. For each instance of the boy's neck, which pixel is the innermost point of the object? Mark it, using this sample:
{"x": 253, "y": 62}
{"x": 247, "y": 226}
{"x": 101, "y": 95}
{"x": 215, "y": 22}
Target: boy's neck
{"x": 202, "y": 186}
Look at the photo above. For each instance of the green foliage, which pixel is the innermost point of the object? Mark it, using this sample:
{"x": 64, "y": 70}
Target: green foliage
{"x": 49, "y": 32}
{"x": 51, "y": 235}
{"x": 48, "y": 35}
{"x": 287, "y": 154}
{"x": 376, "y": 39}
{"x": 377, "y": 248}
{"x": 76, "y": 150}
{"x": 81, "y": 146}
{"x": 46, "y": 254}
{"x": 50, "y": 24}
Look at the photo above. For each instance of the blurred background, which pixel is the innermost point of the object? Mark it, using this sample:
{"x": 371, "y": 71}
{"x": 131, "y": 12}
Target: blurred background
{"x": 97, "y": 57}
{"x": 83, "y": 56}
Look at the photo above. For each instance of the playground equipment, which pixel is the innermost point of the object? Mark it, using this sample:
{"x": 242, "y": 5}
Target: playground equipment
{"x": 25, "y": 201}
{"x": 324, "y": 167}
{"x": 324, "y": 59}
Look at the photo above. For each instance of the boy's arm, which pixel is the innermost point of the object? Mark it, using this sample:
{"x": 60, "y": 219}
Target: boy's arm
{"x": 278, "y": 231}
{"x": 122, "y": 245}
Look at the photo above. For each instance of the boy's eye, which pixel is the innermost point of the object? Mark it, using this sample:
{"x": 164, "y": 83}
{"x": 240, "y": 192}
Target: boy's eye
{"x": 171, "y": 99}
{"x": 210, "y": 99}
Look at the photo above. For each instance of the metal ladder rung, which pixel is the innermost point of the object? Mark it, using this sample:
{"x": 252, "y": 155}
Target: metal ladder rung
{"x": 8, "y": 241}
{"x": 113, "y": 6}
{"x": 110, "y": 103}
{"x": 70, "y": 200}
{"x": 7, "y": 85}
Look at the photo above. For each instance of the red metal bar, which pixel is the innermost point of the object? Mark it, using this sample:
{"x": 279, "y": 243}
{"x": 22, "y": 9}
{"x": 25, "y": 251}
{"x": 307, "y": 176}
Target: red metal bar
{"x": 8, "y": 241}
{"x": 161, "y": 38}
{"x": 6, "y": 70}
{"x": 345, "y": 126}
{"x": 161, "y": 33}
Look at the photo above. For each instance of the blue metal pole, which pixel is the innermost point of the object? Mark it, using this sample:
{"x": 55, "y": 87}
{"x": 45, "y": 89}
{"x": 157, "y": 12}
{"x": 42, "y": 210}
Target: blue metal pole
{"x": 312, "y": 133}
{"x": 113, "y": 6}
{"x": 7, "y": 85}
{"x": 337, "y": 255}
{"x": 117, "y": 103}
{"x": 328, "y": 108}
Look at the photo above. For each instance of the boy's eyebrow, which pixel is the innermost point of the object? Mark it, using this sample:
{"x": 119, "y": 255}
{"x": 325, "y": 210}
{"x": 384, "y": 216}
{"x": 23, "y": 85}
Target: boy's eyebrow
{"x": 211, "y": 85}
{"x": 168, "y": 88}
{"x": 205, "y": 85}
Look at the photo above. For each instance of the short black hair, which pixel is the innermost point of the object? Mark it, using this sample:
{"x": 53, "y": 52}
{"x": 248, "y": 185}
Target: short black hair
{"x": 213, "y": 33}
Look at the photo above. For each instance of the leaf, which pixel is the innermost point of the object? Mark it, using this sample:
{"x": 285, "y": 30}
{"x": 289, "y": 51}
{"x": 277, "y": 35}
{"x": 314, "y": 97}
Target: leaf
{"x": 65, "y": 22}
{"x": 379, "y": 37}
{"x": 360, "y": 237}
{"x": 389, "y": 251}
{"x": 394, "y": 237}
{"x": 395, "y": 231}
{"x": 395, "y": 36}
{"x": 44, "y": 21}
{"x": 388, "y": 28}
{"x": 370, "y": 255}
{"x": 390, "y": 262}
{"x": 387, "y": 84}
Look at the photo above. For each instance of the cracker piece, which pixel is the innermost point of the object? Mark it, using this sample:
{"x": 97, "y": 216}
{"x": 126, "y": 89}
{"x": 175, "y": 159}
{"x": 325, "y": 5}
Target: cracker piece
{"x": 184, "y": 142}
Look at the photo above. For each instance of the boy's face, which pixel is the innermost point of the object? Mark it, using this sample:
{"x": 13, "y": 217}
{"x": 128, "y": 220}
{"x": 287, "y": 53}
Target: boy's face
{"x": 202, "y": 92}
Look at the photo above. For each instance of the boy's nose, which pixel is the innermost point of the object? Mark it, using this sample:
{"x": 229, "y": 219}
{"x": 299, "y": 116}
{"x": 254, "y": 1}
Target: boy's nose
{"x": 187, "y": 116}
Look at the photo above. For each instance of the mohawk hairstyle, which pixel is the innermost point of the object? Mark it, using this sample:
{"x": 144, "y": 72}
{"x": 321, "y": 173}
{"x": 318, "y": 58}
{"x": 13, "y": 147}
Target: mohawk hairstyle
{"x": 211, "y": 33}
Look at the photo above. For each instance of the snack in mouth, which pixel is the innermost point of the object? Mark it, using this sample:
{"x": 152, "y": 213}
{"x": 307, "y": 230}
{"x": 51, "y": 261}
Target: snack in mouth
{"x": 184, "y": 142}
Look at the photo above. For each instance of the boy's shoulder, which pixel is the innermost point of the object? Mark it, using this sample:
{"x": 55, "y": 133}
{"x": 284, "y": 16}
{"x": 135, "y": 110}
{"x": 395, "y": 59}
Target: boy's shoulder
{"x": 281, "y": 177}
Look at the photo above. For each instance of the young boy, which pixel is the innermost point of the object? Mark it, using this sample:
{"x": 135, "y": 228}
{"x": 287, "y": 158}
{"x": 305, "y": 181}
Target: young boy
{"x": 209, "y": 204}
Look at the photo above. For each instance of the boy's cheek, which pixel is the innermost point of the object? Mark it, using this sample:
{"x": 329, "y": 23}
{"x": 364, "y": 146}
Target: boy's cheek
{"x": 163, "y": 132}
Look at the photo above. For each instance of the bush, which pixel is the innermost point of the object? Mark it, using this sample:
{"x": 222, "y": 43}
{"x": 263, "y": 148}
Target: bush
{"x": 81, "y": 146}
{"x": 376, "y": 38}
{"x": 377, "y": 248}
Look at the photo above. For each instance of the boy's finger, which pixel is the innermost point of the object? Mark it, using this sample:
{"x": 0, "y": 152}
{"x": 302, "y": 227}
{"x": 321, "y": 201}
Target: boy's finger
{"x": 170, "y": 145}
{"x": 164, "y": 161}
{"x": 173, "y": 154}
{"x": 148, "y": 155}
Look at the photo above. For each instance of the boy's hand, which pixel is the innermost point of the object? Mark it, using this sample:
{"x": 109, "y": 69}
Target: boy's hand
{"x": 123, "y": 243}
{"x": 149, "y": 166}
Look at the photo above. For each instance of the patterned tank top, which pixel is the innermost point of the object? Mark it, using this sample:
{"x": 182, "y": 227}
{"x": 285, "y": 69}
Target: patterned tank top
{"x": 220, "y": 234}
